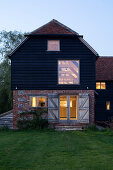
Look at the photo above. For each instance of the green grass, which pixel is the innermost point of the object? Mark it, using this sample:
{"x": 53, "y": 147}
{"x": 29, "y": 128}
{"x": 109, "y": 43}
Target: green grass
{"x": 48, "y": 149}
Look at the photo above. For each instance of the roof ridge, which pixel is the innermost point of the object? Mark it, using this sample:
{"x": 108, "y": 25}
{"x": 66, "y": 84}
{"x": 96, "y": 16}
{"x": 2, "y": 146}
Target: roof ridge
{"x": 57, "y": 22}
{"x": 69, "y": 29}
{"x": 40, "y": 27}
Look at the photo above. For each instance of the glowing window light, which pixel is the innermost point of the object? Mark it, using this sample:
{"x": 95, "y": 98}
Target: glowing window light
{"x": 97, "y": 85}
{"x": 103, "y": 85}
{"x": 70, "y": 103}
{"x": 63, "y": 103}
{"x": 108, "y": 105}
{"x": 33, "y": 101}
{"x": 41, "y": 101}
{"x": 100, "y": 85}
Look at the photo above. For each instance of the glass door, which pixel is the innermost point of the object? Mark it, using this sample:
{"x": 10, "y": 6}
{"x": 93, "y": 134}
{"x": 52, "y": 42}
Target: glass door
{"x": 73, "y": 107}
{"x": 63, "y": 107}
{"x": 68, "y": 108}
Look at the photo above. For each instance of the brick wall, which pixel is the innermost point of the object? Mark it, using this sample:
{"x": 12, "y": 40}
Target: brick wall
{"x": 21, "y": 101}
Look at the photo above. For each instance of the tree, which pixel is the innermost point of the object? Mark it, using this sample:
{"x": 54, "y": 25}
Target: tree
{"x": 8, "y": 41}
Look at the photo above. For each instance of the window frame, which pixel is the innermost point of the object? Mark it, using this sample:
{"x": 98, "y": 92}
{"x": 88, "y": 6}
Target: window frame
{"x": 100, "y": 85}
{"x": 38, "y": 101}
{"x": 58, "y": 73}
{"x": 53, "y": 50}
{"x": 109, "y": 106}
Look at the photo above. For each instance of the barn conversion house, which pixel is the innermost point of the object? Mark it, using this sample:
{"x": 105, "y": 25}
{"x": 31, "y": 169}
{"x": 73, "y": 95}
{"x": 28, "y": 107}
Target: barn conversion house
{"x": 55, "y": 68}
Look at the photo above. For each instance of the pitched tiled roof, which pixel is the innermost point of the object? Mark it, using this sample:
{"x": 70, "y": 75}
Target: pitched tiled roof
{"x": 104, "y": 68}
{"x": 54, "y": 27}
{"x": 51, "y": 28}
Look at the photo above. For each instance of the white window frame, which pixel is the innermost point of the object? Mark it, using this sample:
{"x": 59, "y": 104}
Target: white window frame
{"x": 38, "y": 101}
{"x": 58, "y": 45}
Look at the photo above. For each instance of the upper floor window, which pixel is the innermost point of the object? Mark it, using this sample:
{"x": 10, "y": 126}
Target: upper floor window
{"x": 68, "y": 72}
{"x": 100, "y": 85}
{"x": 53, "y": 45}
{"x": 38, "y": 101}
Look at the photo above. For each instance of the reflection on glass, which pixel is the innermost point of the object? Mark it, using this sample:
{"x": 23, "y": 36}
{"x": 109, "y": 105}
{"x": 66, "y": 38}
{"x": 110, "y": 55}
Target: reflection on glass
{"x": 68, "y": 71}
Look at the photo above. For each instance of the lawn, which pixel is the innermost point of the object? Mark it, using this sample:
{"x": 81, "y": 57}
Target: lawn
{"x": 48, "y": 149}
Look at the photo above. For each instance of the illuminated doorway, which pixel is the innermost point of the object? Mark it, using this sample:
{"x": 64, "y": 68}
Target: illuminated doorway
{"x": 68, "y": 107}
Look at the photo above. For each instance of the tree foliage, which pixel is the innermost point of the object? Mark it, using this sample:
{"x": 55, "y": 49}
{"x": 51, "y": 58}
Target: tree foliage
{"x": 8, "y": 41}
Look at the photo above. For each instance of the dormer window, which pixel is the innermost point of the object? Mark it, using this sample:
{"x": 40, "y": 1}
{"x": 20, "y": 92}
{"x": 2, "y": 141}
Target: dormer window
{"x": 100, "y": 85}
{"x": 53, "y": 45}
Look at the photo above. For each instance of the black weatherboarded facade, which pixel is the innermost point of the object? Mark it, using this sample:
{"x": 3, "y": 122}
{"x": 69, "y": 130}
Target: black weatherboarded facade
{"x": 104, "y": 73}
{"x": 33, "y": 67}
{"x": 55, "y": 68}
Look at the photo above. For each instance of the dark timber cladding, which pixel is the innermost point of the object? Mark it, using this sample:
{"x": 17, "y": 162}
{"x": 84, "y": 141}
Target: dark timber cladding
{"x": 101, "y": 114}
{"x": 104, "y": 73}
{"x": 33, "y": 67}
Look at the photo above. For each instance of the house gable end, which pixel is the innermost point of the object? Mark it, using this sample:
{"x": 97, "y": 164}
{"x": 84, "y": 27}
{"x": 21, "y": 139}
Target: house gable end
{"x": 53, "y": 27}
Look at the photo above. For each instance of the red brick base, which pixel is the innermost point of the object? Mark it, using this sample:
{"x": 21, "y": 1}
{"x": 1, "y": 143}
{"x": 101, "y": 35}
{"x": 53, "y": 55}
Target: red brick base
{"x": 21, "y": 101}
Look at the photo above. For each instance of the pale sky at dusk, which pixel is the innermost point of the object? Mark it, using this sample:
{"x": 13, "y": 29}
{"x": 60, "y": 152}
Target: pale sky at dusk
{"x": 91, "y": 18}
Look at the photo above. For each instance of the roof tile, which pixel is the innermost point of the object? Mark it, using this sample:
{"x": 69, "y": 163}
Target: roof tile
{"x": 54, "y": 27}
{"x": 104, "y": 69}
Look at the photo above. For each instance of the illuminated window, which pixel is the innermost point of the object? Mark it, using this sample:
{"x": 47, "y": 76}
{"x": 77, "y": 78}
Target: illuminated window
{"x": 100, "y": 85}
{"x": 97, "y": 85}
{"x": 41, "y": 102}
{"x": 38, "y": 101}
{"x": 108, "y": 105}
{"x": 53, "y": 45}
{"x": 33, "y": 101}
{"x": 68, "y": 72}
{"x": 103, "y": 85}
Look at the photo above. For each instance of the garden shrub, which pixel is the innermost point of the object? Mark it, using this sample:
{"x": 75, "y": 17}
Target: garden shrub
{"x": 33, "y": 119}
{"x": 4, "y": 128}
